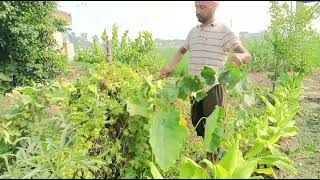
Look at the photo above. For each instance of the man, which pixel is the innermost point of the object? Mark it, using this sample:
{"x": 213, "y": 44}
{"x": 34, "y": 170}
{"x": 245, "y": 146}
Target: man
{"x": 208, "y": 44}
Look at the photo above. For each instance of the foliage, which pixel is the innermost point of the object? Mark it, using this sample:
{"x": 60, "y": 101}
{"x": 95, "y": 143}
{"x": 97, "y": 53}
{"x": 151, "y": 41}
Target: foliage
{"x": 27, "y": 47}
{"x": 94, "y": 135}
{"x": 290, "y": 43}
{"x": 93, "y": 55}
{"x": 139, "y": 53}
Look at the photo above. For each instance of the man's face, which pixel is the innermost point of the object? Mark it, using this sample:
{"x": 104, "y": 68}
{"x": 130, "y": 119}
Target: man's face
{"x": 203, "y": 12}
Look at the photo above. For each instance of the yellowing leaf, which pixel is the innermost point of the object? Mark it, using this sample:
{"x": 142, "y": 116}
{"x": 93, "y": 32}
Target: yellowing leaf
{"x": 183, "y": 121}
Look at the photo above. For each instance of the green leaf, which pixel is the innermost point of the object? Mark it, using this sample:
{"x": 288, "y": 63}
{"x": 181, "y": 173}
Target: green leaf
{"x": 191, "y": 170}
{"x": 32, "y": 173}
{"x": 244, "y": 171}
{"x": 257, "y": 148}
{"x": 5, "y": 77}
{"x": 214, "y": 130}
{"x": 289, "y": 131}
{"x": 220, "y": 173}
{"x": 154, "y": 171}
{"x": 190, "y": 84}
{"x": 270, "y": 159}
{"x": 249, "y": 99}
{"x": 27, "y": 90}
{"x": 13, "y": 112}
{"x": 199, "y": 95}
{"x": 208, "y": 73}
{"x": 230, "y": 75}
{"x": 136, "y": 106}
{"x": 167, "y": 137}
{"x": 285, "y": 167}
{"x": 231, "y": 159}
{"x": 208, "y": 163}
{"x": 169, "y": 93}
{"x": 267, "y": 171}
{"x": 26, "y": 99}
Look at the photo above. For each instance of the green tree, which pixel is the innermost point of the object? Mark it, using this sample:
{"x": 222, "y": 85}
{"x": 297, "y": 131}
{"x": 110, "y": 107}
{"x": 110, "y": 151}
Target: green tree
{"x": 27, "y": 45}
{"x": 293, "y": 39}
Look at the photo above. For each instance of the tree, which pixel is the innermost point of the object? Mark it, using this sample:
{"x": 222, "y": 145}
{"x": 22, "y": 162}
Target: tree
{"x": 27, "y": 45}
{"x": 292, "y": 38}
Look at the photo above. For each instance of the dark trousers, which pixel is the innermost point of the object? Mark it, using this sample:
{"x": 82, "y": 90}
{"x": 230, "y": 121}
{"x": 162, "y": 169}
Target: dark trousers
{"x": 203, "y": 108}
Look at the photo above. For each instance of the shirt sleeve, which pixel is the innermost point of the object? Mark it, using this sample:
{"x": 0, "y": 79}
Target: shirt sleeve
{"x": 186, "y": 43}
{"x": 230, "y": 40}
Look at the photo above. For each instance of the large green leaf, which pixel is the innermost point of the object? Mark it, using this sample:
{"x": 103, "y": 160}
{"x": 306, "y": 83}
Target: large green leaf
{"x": 267, "y": 171}
{"x": 5, "y": 77}
{"x": 168, "y": 93}
{"x": 154, "y": 171}
{"x": 285, "y": 167}
{"x": 191, "y": 170}
{"x": 167, "y": 137}
{"x": 257, "y": 148}
{"x": 214, "y": 131}
{"x": 271, "y": 159}
{"x": 244, "y": 171}
{"x": 190, "y": 84}
{"x": 220, "y": 173}
{"x": 27, "y": 90}
{"x": 249, "y": 99}
{"x": 289, "y": 131}
{"x": 208, "y": 73}
{"x": 230, "y": 75}
{"x": 231, "y": 160}
{"x": 136, "y": 106}
{"x": 13, "y": 112}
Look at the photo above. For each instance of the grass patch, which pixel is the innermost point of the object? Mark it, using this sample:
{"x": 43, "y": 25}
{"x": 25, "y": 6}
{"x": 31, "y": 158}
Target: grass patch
{"x": 168, "y": 53}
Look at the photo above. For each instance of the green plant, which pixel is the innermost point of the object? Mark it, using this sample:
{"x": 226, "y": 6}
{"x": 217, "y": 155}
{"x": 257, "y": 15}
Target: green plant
{"x": 232, "y": 165}
{"x": 291, "y": 35}
{"x": 27, "y": 46}
{"x": 138, "y": 53}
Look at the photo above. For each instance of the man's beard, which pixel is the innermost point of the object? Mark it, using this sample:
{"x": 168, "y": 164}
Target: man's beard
{"x": 202, "y": 19}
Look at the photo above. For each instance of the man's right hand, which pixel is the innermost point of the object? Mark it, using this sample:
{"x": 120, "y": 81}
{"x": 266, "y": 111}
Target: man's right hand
{"x": 166, "y": 71}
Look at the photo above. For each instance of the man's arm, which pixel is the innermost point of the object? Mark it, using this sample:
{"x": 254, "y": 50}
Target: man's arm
{"x": 166, "y": 71}
{"x": 178, "y": 56}
{"x": 240, "y": 56}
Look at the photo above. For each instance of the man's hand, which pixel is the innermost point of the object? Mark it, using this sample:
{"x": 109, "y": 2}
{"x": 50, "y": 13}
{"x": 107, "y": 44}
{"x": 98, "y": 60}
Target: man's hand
{"x": 166, "y": 71}
{"x": 240, "y": 56}
{"x": 236, "y": 58}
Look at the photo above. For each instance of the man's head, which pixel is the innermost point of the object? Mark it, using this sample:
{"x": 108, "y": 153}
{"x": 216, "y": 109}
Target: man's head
{"x": 205, "y": 10}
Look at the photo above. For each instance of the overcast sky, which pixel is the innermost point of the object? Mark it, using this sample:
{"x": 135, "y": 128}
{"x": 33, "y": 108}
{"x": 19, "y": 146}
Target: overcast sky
{"x": 164, "y": 19}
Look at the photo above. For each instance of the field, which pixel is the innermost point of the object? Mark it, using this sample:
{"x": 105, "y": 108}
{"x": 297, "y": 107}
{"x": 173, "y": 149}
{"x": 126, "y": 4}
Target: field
{"x": 168, "y": 54}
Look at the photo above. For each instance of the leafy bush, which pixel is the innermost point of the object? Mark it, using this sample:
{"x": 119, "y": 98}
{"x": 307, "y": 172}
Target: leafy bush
{"x": 290, "y": 44}
{"x": 27, "y": 52}
{"x": 75, "y": 131}
{"x": 138, "y": 53}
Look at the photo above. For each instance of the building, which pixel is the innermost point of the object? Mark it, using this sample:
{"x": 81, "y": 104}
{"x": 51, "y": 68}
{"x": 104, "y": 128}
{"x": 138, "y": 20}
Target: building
{"x": 65, "y": 46}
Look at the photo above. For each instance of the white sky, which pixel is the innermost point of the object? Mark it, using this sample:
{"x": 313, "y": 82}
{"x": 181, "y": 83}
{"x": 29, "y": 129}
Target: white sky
{"x": 164, "y": 19}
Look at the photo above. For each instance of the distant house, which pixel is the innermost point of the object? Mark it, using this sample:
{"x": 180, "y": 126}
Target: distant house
{"x": 246, "y": 36}
{"x": 65, "y": 46}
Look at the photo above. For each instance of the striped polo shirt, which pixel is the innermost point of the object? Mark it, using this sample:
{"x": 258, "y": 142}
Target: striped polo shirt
{"x": 209, "y": 46}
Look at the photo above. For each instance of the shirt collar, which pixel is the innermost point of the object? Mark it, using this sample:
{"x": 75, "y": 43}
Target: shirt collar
{"x": 213, "y": 24}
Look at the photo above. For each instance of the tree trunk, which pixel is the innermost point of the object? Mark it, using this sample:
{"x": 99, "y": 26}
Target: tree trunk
{"x": 109, "y": 51}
